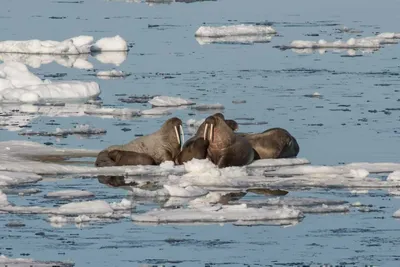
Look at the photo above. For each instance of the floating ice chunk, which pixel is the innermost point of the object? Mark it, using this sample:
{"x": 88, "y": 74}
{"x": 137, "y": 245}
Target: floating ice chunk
{"x": 125, "y": 112}
{"x": 26, "y": 262}
{"x": 233, "y": 30}
{"x": 217, "y": 213}
{"x": 389, "y": 35}
{"x": 378, "y": 167}
{"x": 188, "y": 191}
{"x": 87, "y": 207}
{"x": 82, "y": 129}
{"x": 209, "y": 106}
{"x": 109, "y": 74}
{"x": 58, "y": 219}
{"x": 18, "y": 84}
{"x": 125, "y": 204}
{"x": 17, "y": 178}
{"x": 3, "y": 199}
{"x": 168, "y": 101}
{"x": 194, "y": 123}
{"x": 234, "y": 39}
{"x": 278, "y": 162}
{"x": 396, "y": 214}
{"x": 72, "y": 46}
{"x": 110, "y": 44}
{"x": 394, "y": 176}
{"x": 70, "y": 194}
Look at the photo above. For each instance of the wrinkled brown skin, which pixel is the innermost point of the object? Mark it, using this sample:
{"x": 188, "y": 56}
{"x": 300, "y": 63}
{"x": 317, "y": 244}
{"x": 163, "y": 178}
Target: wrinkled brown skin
{"x": 122, "y": 158}
{"x": 196, "y": 146}
{"x": 273, "y": 143}
{"x": 227, "y": 149}
{"x": 161, "y": 145}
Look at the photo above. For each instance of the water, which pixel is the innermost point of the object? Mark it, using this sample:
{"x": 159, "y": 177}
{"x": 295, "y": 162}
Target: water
{"x": 346, "y": 124}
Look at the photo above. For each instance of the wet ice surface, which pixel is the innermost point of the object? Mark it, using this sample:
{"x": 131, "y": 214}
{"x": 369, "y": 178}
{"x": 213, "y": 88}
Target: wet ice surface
{"x": 350, "y": 208}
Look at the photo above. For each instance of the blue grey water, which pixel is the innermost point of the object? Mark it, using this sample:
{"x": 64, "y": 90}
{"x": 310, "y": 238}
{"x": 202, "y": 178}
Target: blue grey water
{"x": 354, "y": 120}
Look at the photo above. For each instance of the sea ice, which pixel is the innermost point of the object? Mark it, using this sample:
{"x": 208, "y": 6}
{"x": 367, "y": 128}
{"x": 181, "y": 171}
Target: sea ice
{"x": 168, "y": 101}
{"x": 234, "y": 39}
{"x": 82, "y": 129}
{"x": 72, "y": 46}
{"x": 70, "y": 194}
{"x": 217, "y": 213}
{"x": 87, "y": 207}
{"x": 396, "y": 214}
{"x": 18, "y": 84}
{"x": 317, "y": 170}
{"x": 109, "y": 74}
{"x": 17, "y": 178}
{"x": 125, "y": 112}
{"x": 115, "y": 58}
{"x": 27, "y": 262}
{"x": 209, "y": 106}
{"x": 125, "y": 204}
{"x": 233, "y": 30}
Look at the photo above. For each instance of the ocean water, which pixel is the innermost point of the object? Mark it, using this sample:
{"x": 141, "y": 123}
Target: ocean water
{"x": 355, "y": 119}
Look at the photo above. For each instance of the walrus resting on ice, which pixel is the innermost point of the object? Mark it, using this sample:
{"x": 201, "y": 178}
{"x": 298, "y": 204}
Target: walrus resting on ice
{"x": 225, "y": 147}
{"x": 196, "y": 146}
{"x": 162, "y": 145}
{"x": 272, "y": 144}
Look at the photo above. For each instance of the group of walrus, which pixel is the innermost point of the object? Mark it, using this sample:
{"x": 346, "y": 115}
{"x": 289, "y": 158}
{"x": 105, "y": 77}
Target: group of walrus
{"x": 216, "y": 139}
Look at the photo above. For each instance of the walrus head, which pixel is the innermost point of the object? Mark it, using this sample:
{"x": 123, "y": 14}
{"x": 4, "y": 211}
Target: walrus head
{"x": 217, "y": 132}
{"x": 172, "y": 130}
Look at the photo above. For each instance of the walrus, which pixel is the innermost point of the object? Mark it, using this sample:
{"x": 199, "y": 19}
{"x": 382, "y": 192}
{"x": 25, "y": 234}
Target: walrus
{"x": 162, "y": 145}
{"x": 196, "y": 146}
{"x": 272, "y": 144}
{"x": 121, "y": 158}
{"x": 225, "y": 148}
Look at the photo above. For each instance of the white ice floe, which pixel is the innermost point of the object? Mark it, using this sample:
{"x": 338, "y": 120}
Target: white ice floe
{"x": 378, "y": 167}
{"x": 366, "y": 42}
{"x": 234, "y": 39}
{"x": 16, "y": 178}
{"x": 124, "y": 112}
{"x": 87, "y": 207}
{"x": 194, "y": 123}
{"x": 278, "y": 162}
{"x": 188, "y": 191}
{"x": 72, "y": 46}
{"x": 125, "y": 204}
{"x": 217, "y": 213}
{"x": 82, "y": 129}
{"x": 18, "y": 84}
{"x": 70, "y": 194}
{"x": 319, "y": 170}
{"x": 168, "y": 101}
{"x": 209, "y": 106}
{"x": 389, "y": 35}
{"x": 394, "y": 176}
{"x": 233, "y": 30}
{"x": 110, "y": 44}
{"x": 396, "y": 214}
{"x": 27, "y": 262}
{"x": 109, "y": 74}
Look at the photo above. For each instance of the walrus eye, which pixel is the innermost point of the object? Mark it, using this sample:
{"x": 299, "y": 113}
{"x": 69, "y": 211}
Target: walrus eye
{"x": 177, "y": 135}
{"x": 205, "y": 132}
{"x": 183, "y": 136}
{"x": 211, "y": 132}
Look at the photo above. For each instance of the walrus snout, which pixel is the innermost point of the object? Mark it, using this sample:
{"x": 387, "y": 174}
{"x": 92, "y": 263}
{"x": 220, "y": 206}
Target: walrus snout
{"x": 176, "y": 124}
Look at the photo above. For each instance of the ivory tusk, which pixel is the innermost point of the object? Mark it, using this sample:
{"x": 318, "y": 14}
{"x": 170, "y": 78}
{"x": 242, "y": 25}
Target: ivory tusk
{"x": 177, "y": 135}
{"x": 211, "y": 132}
{"x": 183, "y": 135}
{"x": 205, "y": 132}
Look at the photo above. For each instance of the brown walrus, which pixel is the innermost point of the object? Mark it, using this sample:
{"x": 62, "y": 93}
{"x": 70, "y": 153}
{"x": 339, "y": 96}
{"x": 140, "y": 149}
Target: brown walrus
{"x": 121, "y": 158}
{"x": 162, "y": 145}
{"x": 272, "y": 144}
{"x": 225, "y": 147}
{"x": 196, "y": 146}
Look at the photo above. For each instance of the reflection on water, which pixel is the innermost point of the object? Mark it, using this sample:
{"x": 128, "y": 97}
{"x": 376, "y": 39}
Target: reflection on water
{"x": 235, "y": 39}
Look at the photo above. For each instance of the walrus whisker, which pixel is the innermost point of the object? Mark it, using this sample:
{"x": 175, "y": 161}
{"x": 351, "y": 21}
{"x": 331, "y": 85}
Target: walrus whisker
{"x": 211, "y": 132}
{"x": 183, "y": 136}
{"x": 177, "y": 135}
{"x": 205, "y": 132}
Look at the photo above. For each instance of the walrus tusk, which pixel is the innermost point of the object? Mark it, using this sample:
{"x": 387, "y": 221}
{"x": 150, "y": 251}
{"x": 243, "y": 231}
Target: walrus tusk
{"x": 205, "y": 132}
{"x": 177, "y": 135}
{"x": 211, "y": 132}
{"x": 183, "y": 135}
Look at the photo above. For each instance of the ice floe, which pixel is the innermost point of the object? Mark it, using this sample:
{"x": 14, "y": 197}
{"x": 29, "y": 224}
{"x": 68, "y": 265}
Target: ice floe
{"x": 234, "y": 39}
{"x": 217, "y": 106}
{"x": 217, "y": 213}
{"x": 396, "y": 214}
{"x": 318, "y": 170}
{"x": 17, "y": 178}
{"x": 83, "y": 129}
{"x": 109, "y": 74}
{"x": 168, "y": 101}
{"x": 18, "y": 84}
{"x": 27, "y": 262}
{"x": 72, "y": 46}
{"x": 233, "y": 30}
{"x": 70, "y": 194}
{"x": 124, "y": 112}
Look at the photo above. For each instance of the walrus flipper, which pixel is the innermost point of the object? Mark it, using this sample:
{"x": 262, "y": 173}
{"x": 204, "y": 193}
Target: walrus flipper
{"x": 104, "y": 160}
{"x": 124, "y": 158}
